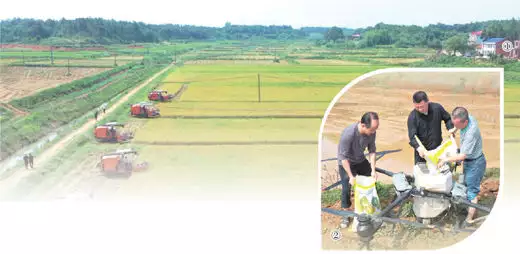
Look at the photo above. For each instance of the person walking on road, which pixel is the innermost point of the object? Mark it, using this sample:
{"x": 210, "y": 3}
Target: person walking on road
{"x": 26, "y": 161}
{"x": 425, "y": 122}
{"x": 31, "y": 160}
{"x": 96, "y": 115}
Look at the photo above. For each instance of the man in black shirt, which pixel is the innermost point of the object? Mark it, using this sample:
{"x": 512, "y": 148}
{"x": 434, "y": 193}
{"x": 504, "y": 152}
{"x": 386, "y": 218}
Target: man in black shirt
{"x": 425, "y": 122}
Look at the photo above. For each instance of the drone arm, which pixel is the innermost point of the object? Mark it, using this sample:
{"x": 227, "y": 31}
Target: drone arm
{"x": 396, "y": 202}
{"x": 470, "y": 204}
{"x": 340, "y": 213}
{"x": 386, "y": 172}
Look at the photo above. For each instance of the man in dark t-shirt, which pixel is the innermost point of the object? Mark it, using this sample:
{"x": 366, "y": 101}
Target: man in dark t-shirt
{"x": 351, "y": 153}
{"x": 425, "y": 123}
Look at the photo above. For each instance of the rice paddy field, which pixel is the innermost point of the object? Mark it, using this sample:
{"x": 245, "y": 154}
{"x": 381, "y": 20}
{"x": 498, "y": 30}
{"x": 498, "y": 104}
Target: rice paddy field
{"x": 511, "y": 128}
{"x": 220, "y": 116}
{"x": 222, "y": 130}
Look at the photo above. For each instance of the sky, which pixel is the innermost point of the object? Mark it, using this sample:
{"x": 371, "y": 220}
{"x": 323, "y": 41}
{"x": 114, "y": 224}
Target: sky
{"x": 322, "y": 13}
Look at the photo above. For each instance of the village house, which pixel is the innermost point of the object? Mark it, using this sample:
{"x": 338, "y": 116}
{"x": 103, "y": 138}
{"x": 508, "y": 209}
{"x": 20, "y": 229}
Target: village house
{"x": 491, "y": 46}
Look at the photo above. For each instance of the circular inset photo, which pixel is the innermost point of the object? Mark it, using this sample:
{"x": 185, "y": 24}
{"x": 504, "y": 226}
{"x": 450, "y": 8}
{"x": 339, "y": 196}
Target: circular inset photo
{"x": 407, "y": 155}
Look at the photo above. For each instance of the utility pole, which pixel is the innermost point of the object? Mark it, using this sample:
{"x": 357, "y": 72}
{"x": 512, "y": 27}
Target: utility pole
{"x": 52, "y": 56}
{"x": 115, "y": 59}
{"x": 23, "y": 58}
{"x": 259, "y": 98}
{"x": 175, "y": 48}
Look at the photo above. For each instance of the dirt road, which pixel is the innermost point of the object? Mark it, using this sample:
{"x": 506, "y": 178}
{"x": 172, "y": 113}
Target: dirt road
{"x": 19, "y": 174}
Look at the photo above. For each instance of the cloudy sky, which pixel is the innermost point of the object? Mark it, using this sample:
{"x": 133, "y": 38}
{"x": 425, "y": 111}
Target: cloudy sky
{"x": 344, "y": 13}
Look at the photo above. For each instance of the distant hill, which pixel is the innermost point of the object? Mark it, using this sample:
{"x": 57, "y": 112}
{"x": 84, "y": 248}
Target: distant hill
{"x": 94, "y": 31}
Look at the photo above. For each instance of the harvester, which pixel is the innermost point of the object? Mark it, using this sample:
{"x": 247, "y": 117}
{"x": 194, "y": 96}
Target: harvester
{"x": 121, "y": 162}
{"x": 109, "y": 133}
{"x": 144, "y": 109}
{"x": 160, "y": 95}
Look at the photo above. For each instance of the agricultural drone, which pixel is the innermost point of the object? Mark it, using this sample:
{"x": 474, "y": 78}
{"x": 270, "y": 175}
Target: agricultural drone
{"x": 431, "y": 204}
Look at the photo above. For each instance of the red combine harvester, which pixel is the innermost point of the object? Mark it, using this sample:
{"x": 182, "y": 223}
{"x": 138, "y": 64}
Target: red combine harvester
{"x": 121, "y": 162}
{"x": 160, "y": 95}
{"x": 144, "y": 109}
{"x": 108, "y": 133}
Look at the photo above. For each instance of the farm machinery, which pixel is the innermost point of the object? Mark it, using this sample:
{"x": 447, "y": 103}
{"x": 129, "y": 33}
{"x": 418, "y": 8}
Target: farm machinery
{"x": 121, "y": 162}
{"x": 109, "y": 133}
{"x": 144, "y": 109}
{"x": 434, "y": 196}
{"x": 160, "y": 95}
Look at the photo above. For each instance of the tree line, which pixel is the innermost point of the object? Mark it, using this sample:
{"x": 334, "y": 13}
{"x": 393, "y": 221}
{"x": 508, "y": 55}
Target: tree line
{"x": 103, "y": 31}
{"x": 432, "y": 36}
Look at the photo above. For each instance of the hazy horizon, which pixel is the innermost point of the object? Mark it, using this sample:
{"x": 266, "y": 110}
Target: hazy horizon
{"x": 297, "y": 14}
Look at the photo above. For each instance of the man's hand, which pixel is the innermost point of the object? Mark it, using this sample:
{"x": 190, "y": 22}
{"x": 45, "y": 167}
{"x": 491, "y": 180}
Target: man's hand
{"x": 421, "y": 151}
{"x": 374, "y": 175}
{"x": 351, "y": 181}
{"x": 441, "y": 163}
{"x": 452, "y": 132}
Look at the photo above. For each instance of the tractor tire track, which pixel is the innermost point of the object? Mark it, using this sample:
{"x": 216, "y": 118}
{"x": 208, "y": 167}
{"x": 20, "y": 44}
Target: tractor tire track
{"x": 179, "y": 92}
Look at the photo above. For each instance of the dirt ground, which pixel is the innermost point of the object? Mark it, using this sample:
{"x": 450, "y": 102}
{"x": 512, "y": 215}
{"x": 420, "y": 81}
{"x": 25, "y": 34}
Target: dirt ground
{"x": 387, "y": 238}
{"x": 390, "y": 96}
{"x": 17, "y": 82}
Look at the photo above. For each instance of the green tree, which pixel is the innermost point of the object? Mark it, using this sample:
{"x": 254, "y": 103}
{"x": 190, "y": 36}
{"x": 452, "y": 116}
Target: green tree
{"x": 457, "y": 43}
{"x": 334, "y": 34}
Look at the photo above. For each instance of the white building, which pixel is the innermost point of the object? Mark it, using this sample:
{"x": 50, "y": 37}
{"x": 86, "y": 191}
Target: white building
{"x": 489, "y": 46}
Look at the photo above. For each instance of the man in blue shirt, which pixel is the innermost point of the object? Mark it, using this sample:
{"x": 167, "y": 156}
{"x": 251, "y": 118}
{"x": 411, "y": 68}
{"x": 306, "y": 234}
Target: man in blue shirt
{"x": 471, "y": 153}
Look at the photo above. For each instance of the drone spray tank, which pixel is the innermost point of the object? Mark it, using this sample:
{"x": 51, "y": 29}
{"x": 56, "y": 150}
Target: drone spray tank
{"x": 428, "y": 176}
